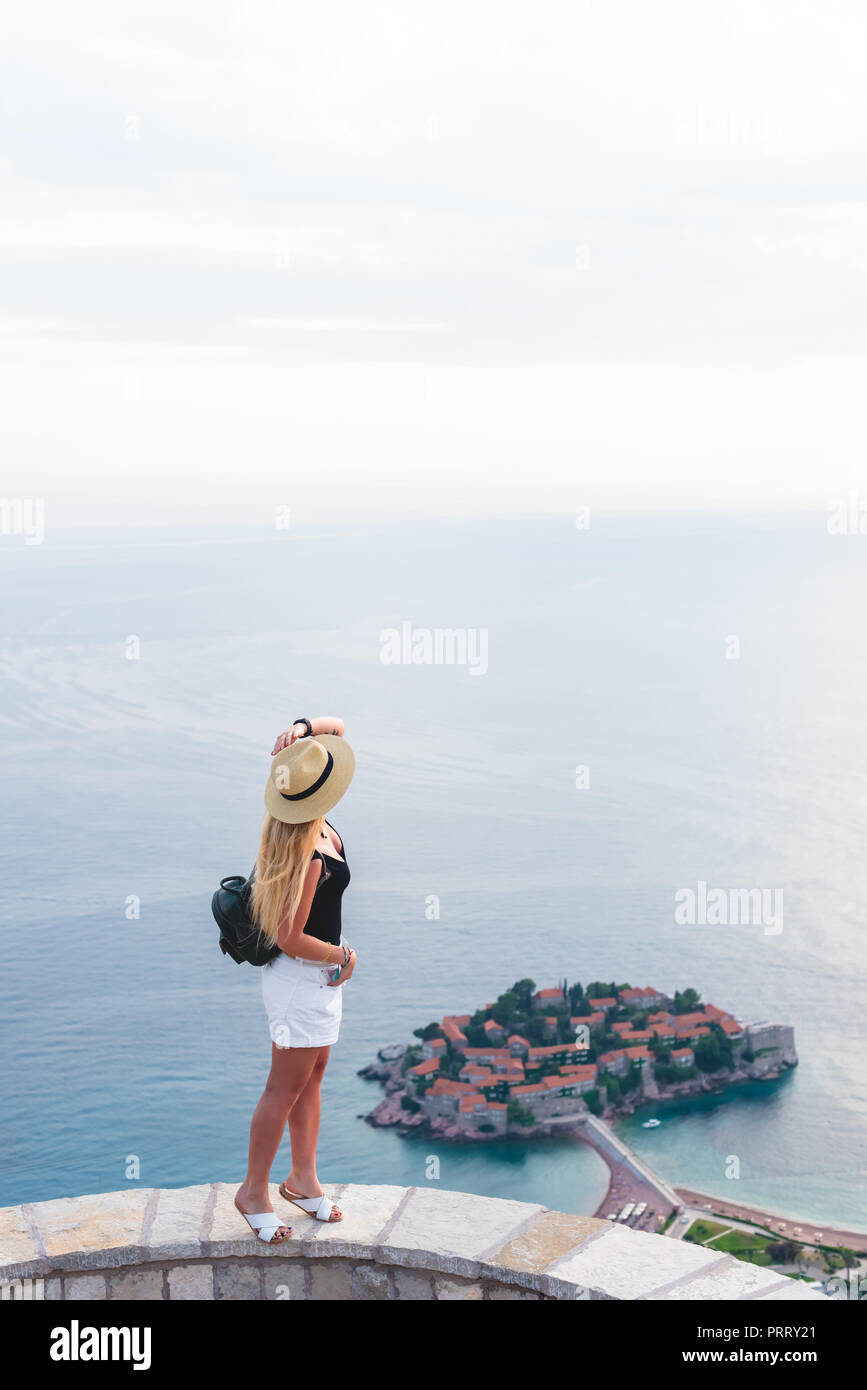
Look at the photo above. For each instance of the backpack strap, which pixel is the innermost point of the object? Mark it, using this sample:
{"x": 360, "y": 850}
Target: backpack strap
{"x": 326, "y": 872}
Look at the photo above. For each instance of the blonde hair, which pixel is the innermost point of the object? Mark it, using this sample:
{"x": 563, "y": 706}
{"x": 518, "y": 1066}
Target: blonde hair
{"x": 281, "y": 868}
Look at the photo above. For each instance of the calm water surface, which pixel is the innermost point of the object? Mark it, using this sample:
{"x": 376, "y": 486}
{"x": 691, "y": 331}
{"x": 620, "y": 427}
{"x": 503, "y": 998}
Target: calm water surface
{"x": 142, "y": 779}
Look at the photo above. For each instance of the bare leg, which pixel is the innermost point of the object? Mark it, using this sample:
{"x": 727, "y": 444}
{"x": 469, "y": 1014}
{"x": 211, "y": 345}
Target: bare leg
{"x": 290, "y": 1072}
{"x": 304, "y": 1133}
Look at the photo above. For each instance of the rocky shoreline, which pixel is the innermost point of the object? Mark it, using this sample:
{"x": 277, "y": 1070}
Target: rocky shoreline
{"x": 389, "y": 1112}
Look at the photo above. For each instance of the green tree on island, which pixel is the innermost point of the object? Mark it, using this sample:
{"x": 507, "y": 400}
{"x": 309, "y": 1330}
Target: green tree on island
{"x": 577, "y": 1000}
{"x": 533, "y": 1030}
{"x": 431, "y": 1030}
{"x": 668, "y": 1074}
{"x": 593, "y": 1103}
{"x": 714, "y": 1051}
{"x": 519, "y": 1114}
{"x": 632, "y": 1077}
{"x": 686, "y": 1002}
{"x": 475, "y": 1035}
{"x": 525, "y": 989}
{"x": 565, "y": 1031}
{"x": 505, "y": 1008}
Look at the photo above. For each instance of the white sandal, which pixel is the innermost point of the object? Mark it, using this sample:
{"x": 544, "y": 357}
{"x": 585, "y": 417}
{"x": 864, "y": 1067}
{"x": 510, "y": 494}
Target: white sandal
{"x": 318, "y": 1207}
{"x": 265, "y": 1225}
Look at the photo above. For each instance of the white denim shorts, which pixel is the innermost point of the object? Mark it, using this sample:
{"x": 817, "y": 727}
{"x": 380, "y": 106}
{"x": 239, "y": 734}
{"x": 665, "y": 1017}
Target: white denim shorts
{"x": 303, "y": 1009}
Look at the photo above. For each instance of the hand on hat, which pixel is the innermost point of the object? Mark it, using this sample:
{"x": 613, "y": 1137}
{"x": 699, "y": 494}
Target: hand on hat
{"x": 283, "y": 740}
{"x": 322, "y": 724}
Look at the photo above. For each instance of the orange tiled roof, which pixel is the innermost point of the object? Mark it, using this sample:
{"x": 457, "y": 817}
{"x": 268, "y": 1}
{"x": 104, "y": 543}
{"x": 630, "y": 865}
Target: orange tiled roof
{"x": 444, "y": 1086}
{"x": 716, "y": 1013}
{"x": 425, "y": 1068}
{"x": 641, "y": 992}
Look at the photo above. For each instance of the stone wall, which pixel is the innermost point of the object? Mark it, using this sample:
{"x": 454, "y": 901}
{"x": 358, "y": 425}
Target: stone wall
{"x": 778, "y": 1036}
{"x": 394, "y": 1243}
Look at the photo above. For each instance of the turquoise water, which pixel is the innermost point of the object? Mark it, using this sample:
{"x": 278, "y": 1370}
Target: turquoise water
{"x": 134, "y": 1037}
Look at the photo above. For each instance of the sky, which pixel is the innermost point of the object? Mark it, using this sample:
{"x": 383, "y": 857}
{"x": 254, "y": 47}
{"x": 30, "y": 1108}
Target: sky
{"x": 579, "y": 249}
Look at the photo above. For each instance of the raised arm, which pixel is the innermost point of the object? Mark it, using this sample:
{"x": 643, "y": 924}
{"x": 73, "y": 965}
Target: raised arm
{"x": 322, "y": 724}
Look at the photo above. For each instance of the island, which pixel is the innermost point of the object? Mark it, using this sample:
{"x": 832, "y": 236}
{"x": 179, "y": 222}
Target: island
{"x": 566, "y": 1060}
{"x": 536, "y": 1058}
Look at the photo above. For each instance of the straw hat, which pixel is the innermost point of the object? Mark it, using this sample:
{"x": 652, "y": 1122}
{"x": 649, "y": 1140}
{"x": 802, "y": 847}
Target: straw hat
{"x": 308, "y": 778}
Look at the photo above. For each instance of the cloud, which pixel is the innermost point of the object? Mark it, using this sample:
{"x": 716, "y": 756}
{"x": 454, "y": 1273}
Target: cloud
{"x": 493, "y": 186}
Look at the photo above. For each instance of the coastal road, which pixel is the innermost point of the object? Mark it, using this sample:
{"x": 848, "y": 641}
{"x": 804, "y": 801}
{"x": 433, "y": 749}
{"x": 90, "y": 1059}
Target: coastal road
{"x": 630, "y": 1178}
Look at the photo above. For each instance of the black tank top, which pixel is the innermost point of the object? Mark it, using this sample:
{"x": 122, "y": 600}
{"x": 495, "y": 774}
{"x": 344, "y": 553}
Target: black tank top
{"x": 324, "y": 919}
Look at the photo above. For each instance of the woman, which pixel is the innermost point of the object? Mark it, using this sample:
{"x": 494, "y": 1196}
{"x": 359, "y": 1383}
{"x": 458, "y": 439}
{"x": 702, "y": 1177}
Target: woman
{"x": 301, "y": 873}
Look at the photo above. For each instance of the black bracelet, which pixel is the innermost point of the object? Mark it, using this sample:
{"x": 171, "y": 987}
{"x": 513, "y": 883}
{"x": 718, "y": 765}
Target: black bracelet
{"x": 309, "y": 733}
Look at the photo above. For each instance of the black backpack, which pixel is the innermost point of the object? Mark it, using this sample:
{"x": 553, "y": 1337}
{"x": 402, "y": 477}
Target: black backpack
{"x": 240, "y": 937}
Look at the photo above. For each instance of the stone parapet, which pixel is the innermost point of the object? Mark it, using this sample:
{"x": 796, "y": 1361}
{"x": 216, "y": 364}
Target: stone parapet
{"x": 395, "y": 1243}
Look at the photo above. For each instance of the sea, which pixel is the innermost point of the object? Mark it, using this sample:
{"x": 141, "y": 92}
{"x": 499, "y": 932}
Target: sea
{"x": 637, "y": 705}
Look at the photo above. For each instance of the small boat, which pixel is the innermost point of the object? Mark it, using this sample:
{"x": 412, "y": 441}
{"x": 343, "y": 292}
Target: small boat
{"x": 651, "y": 1124}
